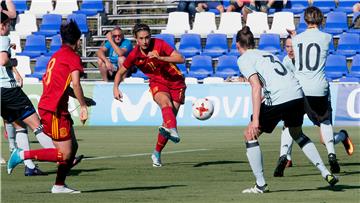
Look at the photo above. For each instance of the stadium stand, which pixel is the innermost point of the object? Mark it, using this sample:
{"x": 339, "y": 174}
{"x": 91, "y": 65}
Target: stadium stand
{"x": 91, "y": 7}
{"x": 227, "y": 67}
{"x": 258, "y": 23}
{"x": 65, "y": 7}
{"x": 169, "y": 38}
{"x": 230, "y": 23}
{"x": 204, "y": 24}
{"x": 201, "y": 67}
{"x": 336, "y": 23}
{"x": 325, "y": 5}
{"x": 349, "y": 44}
{"x": 26, "y": 24}
{"x": 355, "y": 68}
{"x": 335, "y": 66}
{"x": 190, "y": 45}
{"x": 35, "y": 46}
{"x": 41, "y": 7}
{"x": 281, "y": 22}
{"x": 270, "y": 43}
{"x": 20, "y": 5}
{"x": 40, "y": 67}
{"x": 177, "y": 24}
{"x": 216, "y": 45}
{"x": 50, "y": 25}
{"x": 55, "y": 45}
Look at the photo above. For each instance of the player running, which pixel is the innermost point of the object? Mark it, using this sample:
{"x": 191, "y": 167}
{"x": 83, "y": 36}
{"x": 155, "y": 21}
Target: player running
{"x": 286, "y": 139}
{"x": 157, "y": 59}
{"x": 283, "y": 101}
{"x": 311, "y": 50}
{"x": 63, "y": 68}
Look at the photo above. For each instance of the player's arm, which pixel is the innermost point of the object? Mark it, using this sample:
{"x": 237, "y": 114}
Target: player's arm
{"x": 79, "y": 94}
{"x": 121, "y": 73}
{"x": 119, "y": 51}
{"x": 4, "y": 58}
{"x": 18, "y": 77}
{"x": 175, "y": 57}
{"x": 88, "y": 101}
{"x": 256, "y": 87}
{"x": 11, "y": 11}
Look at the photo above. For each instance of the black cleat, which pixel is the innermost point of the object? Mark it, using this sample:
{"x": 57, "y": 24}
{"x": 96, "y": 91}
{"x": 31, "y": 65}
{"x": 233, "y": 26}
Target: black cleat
{"x": 34, "y": 172}
{"x": 77, "y": 160}
{"x": 331, "y": 179}
{"x": 279, "y": 170}
{"x": 334, "y": 165}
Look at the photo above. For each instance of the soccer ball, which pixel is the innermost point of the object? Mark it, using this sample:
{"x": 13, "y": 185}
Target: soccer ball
{"x": 202, "y": 108}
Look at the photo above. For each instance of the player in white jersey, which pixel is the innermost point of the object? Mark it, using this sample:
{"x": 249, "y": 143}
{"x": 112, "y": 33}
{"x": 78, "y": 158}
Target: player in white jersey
{"x": 283, "y": 95}
{"x": 311, "y": 49}
{"x": 286, "y": 140}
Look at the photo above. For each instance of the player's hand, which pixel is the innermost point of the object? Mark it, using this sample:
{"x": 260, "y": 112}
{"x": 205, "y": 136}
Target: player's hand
{"x": 13, "y": 46}
{"x": 254, "y": 129}
{"x": 83, "y": 114}
{"x": 117, "y": 94}
{"x": 109, "y": 66}
{"x": 89, "y": 101}
{"x": 153, "y": 54}
{"x": 292, "y": 33}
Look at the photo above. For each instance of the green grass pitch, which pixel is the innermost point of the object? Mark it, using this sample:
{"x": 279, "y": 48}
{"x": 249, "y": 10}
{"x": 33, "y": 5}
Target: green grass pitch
{"x": 209, "y": 165}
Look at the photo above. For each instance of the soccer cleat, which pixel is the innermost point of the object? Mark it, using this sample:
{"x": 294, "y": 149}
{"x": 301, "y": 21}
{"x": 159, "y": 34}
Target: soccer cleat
{"x": 334, "y": 165}
{"x": 14, "y": 160}
{"x": 349, "y": 146}
{"x": 257, "y": 189}
{"x": 34, "y": 172}
{"x": 170, "y": 133}
{"x": 77, "y": 160}
{"x": 63, "y": 189}
{"x": 289, "y": 164}
{"x": 155, "y": 157}
{"x": 331, "y": 179}
{"x": 279, "y": 170}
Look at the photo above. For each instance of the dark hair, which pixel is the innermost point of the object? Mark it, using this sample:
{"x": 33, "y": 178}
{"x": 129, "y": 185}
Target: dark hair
{"x": 70, "y": 33}
{"x": 4, "y": 18}
{"x": 313, "y": 15}
{"x": 140, "y": 27}
{"x": 245, "y": 38}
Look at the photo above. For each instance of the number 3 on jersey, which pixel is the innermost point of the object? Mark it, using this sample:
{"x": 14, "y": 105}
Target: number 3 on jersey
{"x": 50, "y": 66}
{"x": 272, "y": 59}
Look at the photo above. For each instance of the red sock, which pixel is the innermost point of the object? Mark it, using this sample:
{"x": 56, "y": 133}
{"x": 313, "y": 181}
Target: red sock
{"x": 48, "y": 154}
{"x": 161, "y": 142}
{"x": 168, "y": 117}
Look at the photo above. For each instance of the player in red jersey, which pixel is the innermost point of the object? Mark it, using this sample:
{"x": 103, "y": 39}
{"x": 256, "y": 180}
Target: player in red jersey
{"x": 156, "y": 59}
{"x": 63, "y": 68}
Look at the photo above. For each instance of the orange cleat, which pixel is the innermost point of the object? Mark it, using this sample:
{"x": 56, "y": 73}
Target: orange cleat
{"x": 289, "y": 164}
{"x": 349, "y": 146}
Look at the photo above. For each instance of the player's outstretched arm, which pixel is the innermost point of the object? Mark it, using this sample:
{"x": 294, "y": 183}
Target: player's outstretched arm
{"x": 89, "y": 101}
{"x": 75, "y": 75}
{"x": 118, "y": 78}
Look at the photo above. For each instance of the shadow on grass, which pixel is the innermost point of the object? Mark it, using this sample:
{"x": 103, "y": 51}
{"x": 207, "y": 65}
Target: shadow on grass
{"x": 337, "y": 188}
{"x": 145, "y": 188}
{"x": 76, "y": 172}
{"x": 208, "y": 163}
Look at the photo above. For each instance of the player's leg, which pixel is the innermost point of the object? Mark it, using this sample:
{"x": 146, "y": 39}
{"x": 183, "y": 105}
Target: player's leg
{"x": 285, "y": 152}
{"x": 103, "y": 70}
{"x": 10, "y": 131}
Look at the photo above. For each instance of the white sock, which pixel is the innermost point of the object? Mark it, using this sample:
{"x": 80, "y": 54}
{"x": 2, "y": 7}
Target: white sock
{"x": 339, "y": 137}
{"x": 10, "y": 130}
{"x": 22, "y": 141}
{"x": 286, "y": 143}
{"x": 254, "y": 156}
{"x": 288, "y": 156}
{"x": 328, "y": 136}
{"x": 312, "y": 154}
{"x": 44, "y": 140}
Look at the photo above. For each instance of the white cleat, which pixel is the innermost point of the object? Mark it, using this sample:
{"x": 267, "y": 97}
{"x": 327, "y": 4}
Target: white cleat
{"x": 257, "y": 189}
{"x": 170, "y": 133}
{"x": 63, "y": 189}
{"x": 2, "y": 161}
{"x": 156, "y": 161}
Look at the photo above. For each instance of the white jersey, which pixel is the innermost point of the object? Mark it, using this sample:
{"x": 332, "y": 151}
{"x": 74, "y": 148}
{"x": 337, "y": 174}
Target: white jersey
{"x": 7, "y": 79}
{"x": 288, "y": 63}
{"x": 311, "y": 49}
{"x": 279, "y": 84}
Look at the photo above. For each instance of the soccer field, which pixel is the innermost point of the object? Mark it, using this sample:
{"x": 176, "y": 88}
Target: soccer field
{"x": 209, "y": 165}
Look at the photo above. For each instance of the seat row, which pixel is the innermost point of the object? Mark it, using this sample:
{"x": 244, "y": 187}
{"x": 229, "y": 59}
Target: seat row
{"x": 62, "y": 7}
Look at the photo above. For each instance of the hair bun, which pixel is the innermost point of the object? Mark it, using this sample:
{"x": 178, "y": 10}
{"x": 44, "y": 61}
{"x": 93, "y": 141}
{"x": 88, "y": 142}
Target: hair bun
{"x": 246, "y": 30}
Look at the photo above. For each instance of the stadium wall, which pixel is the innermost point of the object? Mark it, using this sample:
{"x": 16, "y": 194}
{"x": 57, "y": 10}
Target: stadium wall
{"x": 232, "y": 104}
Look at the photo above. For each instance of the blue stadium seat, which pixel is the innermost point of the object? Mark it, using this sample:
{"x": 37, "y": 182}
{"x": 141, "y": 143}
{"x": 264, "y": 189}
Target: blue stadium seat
{"x": 55, "y": 45}
{"x": 353, "y": 30}
{"x": 182, "y": 68}
{"x": 20, "y": 6}
{"x": 270, "y": 43}
{"x": 139, "y": 74}
{"x": 233, "y": 50}
{"x": 35, "y": 46}
{"x": 216, "y": 45}
{"x": 332, "y": 47}
{"x": 190, "y": 45}
{"x": 40, "y": 67}
{"x": 349, "y": 79}
{"x": 296, "y": 6}
{"x": 335, "y": 66}
{"x": 336, "y": 23}
{"x": 227, "y": 67}
{"x": 281, "y": 55}
{"x": 91, "y": 7}
{"x": 325, "y": 5}
{"x": 355, "y": 68}
{"x": 169, "y": 38}
{"x": 345, "y": 6}
{"x": 302, "y": 24}
{"x": 50, "y": 25}
{"x": 201, "y": 67}
{"x": 349, "y": 44}
{"x": 80, "y": 19}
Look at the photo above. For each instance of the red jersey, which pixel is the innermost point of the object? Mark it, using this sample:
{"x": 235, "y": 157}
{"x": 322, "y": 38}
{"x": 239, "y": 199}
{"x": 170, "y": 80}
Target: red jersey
{"x": 157, "y": 70}
{"x": 57, "y": 79}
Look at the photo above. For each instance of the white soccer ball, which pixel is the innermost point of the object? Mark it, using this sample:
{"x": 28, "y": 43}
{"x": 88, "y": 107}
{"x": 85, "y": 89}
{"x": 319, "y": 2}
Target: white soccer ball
{"x": 202, "y": 108}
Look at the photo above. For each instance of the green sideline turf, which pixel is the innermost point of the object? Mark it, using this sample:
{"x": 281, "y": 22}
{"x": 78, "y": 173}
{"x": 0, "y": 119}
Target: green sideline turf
{"x": 209, "y": 165}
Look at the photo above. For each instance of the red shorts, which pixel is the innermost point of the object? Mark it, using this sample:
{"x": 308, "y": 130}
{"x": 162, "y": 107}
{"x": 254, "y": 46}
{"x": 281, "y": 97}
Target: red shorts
{"x": 176, "y": 94}
{"x": 57, "y": 126}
